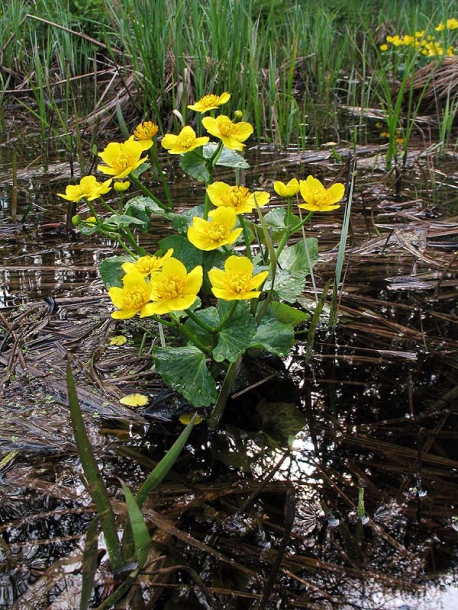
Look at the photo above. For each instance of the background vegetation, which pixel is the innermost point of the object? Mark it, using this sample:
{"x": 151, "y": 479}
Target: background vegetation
{"x": 287, "y": 63}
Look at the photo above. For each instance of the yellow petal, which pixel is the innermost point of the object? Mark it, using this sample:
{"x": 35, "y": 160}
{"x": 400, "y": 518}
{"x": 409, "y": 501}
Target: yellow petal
{"x": 134, "y": 400}
{"x": 118, "y": 340}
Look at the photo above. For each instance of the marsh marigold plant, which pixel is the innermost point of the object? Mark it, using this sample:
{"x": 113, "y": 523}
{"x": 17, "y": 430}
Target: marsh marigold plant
{"x": 227, "y": 279}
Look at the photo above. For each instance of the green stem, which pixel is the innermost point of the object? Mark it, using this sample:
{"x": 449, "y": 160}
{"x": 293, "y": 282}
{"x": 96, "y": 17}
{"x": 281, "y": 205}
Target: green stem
{"x": 191, "y": 336}
{"x": 201, "y": 323}
{"x": 224, "y": 393}
{"x": 154, "y": 156}
{"x": 149, "y": 194}
{"x": 246, "y": 236}
{"x": 108, "y": 207}
{"x": 287, "y": 234}
{"x": 226, "y": 319}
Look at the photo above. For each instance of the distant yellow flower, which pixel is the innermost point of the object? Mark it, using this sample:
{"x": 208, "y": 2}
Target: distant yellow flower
{"x": 88, "y": 189}
{"x": 451, "y": 24}
{"x": 450, "y": 51}
{"x": 134, "y": 400}
{"x": 172, "y": 288}
{"x": 210, "y": 102}
{"x": 420, "y": 34}
{"x": 317, "y": 197}
{"x": 184, "y": 142}
{"x": 231, "y": 134}
{"x": 132, "y": 298}
{"x": 286, "y": 190}
{"x": 144, "y": 133}
{"x": 440, "y": 27}
{"x": 121, "y": 158}
{"x": 237, "y": 197}
{"x": 216, "y": 232}
{"x": 118, "y": 340}
{"x": 146, "y": 265}
{"x": 383, "y": 47}
{"x": 236, "y": 282}
{"x": 121, "y": 186}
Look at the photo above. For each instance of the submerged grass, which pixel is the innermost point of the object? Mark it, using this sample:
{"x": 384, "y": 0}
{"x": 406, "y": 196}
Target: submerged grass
{"x": 291, "y": 55}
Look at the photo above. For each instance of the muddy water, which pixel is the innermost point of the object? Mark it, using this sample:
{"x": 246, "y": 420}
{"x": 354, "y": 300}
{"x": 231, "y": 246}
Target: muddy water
{"x": 379, "y": 397}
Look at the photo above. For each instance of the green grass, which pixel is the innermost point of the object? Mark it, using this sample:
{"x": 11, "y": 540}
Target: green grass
{"x": 280, "y": 59}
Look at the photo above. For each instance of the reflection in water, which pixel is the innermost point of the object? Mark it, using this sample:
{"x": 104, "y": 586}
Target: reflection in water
{"x": 379, "y": 399}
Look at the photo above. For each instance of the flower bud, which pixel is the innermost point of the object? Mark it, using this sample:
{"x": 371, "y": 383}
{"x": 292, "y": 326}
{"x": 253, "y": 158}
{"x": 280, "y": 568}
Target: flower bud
{"x": 76, "y": 220}
{"x": 238, "y": 114}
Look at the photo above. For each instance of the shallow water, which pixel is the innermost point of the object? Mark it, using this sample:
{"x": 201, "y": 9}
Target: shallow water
{"x": 379, "y": 396}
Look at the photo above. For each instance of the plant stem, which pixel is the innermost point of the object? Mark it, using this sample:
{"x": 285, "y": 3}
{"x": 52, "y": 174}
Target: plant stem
{"x": 149, "y": 194}
{"x": 226, "y": 388}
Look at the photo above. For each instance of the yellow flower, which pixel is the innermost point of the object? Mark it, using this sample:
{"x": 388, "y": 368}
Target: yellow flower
{"x": 236, "y": 282}
{"x": 317, "y": 197}
{"x": 132, "y": 297}
{"x": 286, "y": 190}
{"x": 144, "y": 133}
{"x": 452, "y": 24}
{"x": 216, "y": 232}
{"x": 184, "y": 142}
{"x": 134, "y": 400}
{"x": 383, "y": 47}
{"x": 121, "y": 186}
{"x": 91, "y": 220}
{"x": 146, "y": 265}
{"x": 237, "y": 197}
{"x": 172, "y": 288}
{"x": 231, "y": 134}
{"x": 420, "y": 34}
{"x": 88, "y": 189}
{"x": 210, "y": 102}
{"x": 440, "y": 27}
{"x": 121, "y": 158}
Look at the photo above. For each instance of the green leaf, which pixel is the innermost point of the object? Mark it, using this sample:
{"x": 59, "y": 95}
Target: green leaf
{"x": 89, "y": 563}
{"x": 208, "y": 316}
{"x": 121, "y": 220}
{"x": 141, "y": 208}
{"x": 236, "y": 336}
{"x": 162, "y": 468}
{"x": 183, "y": 250}
{"x": 185, "y": 370}
{"x": 139, "y": 170}
{"x": 196, "y": 167}
{"x": 273, "y": 336}
{"x": 94, "y": 480}
{"x": 140, "y": 533}
{"x": 295, "y": 258}
{"x": 286, "y": 314}
{"x": 288, "y": 287}
{"x": 111, "y": 270}
{"x": 227, "y": 158}
{"x": 281, "y": 420}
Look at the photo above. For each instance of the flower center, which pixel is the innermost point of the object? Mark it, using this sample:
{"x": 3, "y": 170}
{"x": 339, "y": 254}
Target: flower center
{"x": 123, "y": 161}
{"x": 209, "y": 100}
{"x": 135, "y": 298}
{"x": 239, "y": 281}
{"x": 217, "y": 232}
{"x": 238, "y": 196}
{"x": 226, "y": 127}
{"x": 147, "y": 264}
{"x": 320, "y": 197}
{"x": 185, "y": 141}
{"x": 170, "y": 288}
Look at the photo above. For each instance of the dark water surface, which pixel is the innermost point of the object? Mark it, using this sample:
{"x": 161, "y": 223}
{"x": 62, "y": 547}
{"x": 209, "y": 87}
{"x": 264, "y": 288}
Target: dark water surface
{"x": 380, "y": 399}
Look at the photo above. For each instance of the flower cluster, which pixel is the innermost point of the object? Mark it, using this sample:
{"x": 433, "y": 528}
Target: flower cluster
{"x": 220, "y": 257}
{"x": 426, "y": 45}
